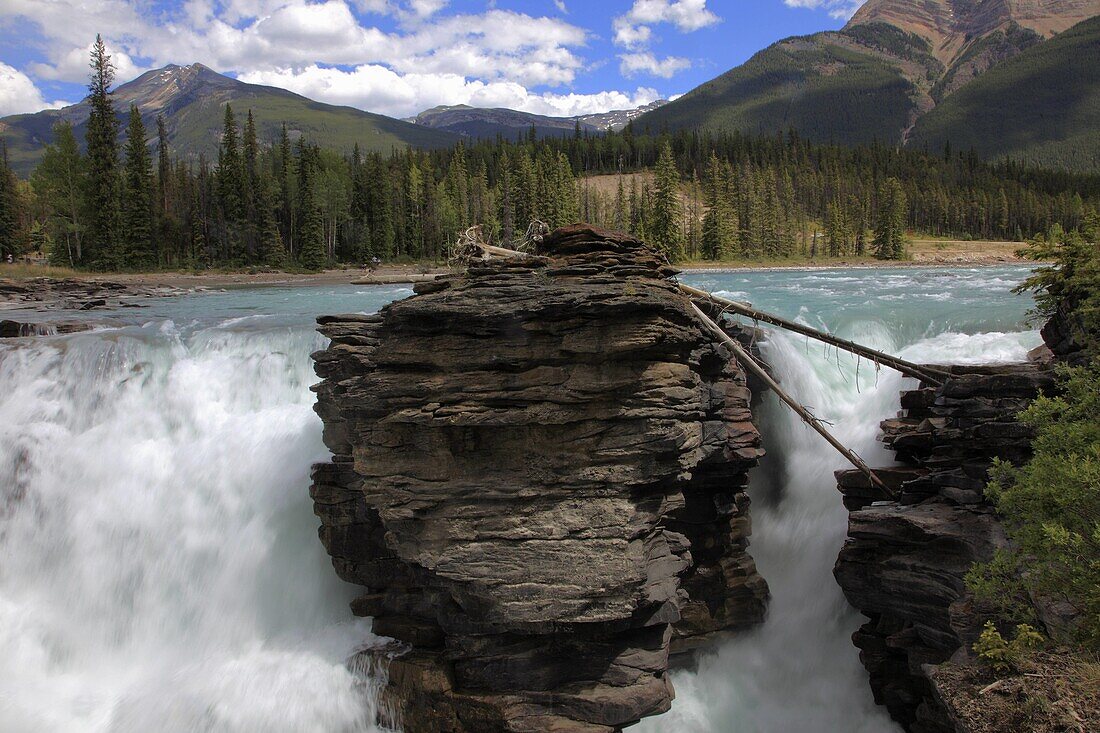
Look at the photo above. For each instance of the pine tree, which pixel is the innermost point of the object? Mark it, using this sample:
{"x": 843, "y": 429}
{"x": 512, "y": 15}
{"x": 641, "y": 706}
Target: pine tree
{"x": 667, "y": 216}
{"x": 136, "y": 236}
{"x": 890, "y": 224}
{"x": 311, "y": 235}
{"x": 101, "y": 193}
{"x": 229, "y": 176}
{"x": 9, "y": 206}
{"x": 719, "y": 223}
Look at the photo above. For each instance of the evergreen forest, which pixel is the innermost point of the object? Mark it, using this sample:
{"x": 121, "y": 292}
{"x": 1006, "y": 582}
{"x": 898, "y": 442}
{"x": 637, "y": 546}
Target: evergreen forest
{"x": 123, "y": 199}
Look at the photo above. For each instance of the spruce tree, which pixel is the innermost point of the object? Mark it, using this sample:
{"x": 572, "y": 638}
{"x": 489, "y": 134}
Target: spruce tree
{"x": 285, "y": 180}
{"x": 837, "y": 230}
{"x": 621, "y": 215}
{"x": 249, "y": 183}
{"x": 136, "y": 236}
{"x": 889, "y": 241}
{"x": 164, "y": 167}
{"x": 564, "y": 193}
{"x": 9, "y": 206}
{"x": 230, "y": 186}
{"x": 719, "y": 225}
{"x": 101, "y": 193}
{"x": 270, "y": 249}
{"x": 311, "y": 235}
{"x": 507, "y": 200}
{"x": 171, "y": 184}
{"x": 667, "y": 215}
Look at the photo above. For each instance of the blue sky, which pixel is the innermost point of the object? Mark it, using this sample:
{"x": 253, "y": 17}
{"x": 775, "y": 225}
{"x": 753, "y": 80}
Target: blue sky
{"x": 398, "y": 57}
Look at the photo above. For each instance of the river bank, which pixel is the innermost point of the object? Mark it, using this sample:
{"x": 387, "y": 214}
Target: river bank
{"x": 45, "y": 287}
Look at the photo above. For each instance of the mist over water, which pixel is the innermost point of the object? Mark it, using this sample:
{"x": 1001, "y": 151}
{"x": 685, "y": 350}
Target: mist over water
{"x": 159, "y": 565}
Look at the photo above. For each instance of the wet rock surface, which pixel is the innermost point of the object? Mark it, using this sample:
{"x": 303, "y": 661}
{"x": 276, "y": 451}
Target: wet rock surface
{"x": 904, "y": 562}
{"x": 46, "y": 293}
{"x": 538, "y": 477}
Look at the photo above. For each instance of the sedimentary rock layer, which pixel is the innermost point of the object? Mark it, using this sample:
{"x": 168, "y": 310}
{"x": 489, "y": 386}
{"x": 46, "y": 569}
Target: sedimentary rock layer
{"x": 538, "y": 476}
{"x": 904, "y": 562}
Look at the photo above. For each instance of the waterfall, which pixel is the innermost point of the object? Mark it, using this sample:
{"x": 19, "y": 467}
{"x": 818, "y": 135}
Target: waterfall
{"x": 799, "y": 671}
{"x": 159, "y": 565}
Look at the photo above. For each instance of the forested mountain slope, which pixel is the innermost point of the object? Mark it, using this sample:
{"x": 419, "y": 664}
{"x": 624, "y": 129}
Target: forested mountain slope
{"x": 1041, "y": 107}
{"x": 892, "y": 64}
{"x": 485, "y": 123}
{"x": 192, "y": 100}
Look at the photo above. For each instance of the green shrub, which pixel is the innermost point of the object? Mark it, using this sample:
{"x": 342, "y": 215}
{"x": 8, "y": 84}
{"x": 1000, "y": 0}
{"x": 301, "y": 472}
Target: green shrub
{"x": 1002, "y": 656}
{"x": 1051, "y": 505}
{"x": 1051, "y": 509}
{"x": 1072, "y": 281}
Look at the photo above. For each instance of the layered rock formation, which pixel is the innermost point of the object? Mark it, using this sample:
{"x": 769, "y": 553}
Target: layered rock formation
{"x": 904, "y": 562}
{"x": 538, "y": 476}
{"x": 950, "y": 25}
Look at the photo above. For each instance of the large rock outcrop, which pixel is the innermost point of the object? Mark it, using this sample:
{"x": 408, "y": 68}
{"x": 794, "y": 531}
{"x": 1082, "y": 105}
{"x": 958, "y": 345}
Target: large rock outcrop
{"x": 538, "y": 476}
{"x": 905, "y": 560}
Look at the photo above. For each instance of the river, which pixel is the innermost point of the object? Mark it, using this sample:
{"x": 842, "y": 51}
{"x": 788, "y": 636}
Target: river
{"x": 159, "y": 565}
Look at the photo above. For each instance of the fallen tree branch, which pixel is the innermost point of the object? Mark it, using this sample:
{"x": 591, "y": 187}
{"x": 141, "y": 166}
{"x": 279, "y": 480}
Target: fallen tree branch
{"x": 748, "y": 361}
{"x": 917, "y": 371}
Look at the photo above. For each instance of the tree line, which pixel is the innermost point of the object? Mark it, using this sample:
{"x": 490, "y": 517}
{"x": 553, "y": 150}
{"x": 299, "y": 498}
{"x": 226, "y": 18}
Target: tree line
{"x": 123, "y": 203}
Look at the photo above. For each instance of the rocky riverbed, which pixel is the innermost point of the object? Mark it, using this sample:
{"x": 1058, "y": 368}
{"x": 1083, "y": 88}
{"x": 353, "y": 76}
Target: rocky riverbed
{"x": 44, "y": 294}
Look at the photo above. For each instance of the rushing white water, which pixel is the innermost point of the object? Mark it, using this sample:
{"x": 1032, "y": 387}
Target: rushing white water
{"x": 800, "y": 671}
{"x": 159, "y": 566}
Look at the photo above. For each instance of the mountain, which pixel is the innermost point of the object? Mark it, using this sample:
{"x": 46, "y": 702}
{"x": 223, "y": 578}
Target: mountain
{"x": 1043, "y": 106}
{"x": 893, "y": 63}
{"x": 192, "y": 100}
{"x": 477, "y": 122}
{"x": 617, "y": 119}
{"x": 482, "y": 123}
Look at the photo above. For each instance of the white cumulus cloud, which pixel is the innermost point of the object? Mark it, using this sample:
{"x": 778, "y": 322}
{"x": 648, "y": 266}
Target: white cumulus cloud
{"x": 632, "y": 29}
{"x": 385, "y": 91}
{"x": 18, "y": 94}
{"x": 335, "y": 51}
{"x": 631, "y": 64}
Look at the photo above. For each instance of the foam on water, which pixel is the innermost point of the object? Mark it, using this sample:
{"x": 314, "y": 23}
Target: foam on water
{"x": 799, "y": 671}
{"x": 160, "y": 567}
